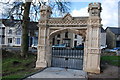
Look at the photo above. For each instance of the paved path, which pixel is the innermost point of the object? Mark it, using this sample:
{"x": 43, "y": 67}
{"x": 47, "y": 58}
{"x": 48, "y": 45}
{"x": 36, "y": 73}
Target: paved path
{"x": 54, "y": 72}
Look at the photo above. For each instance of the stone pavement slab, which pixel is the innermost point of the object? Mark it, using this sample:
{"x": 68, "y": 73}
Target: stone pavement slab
{"x": 53, "y": 72}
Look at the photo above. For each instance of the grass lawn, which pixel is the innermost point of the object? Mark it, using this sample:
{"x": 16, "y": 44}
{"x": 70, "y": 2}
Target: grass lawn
{"x": 15, "y": 67}
{"x": 112, "y": 60}
{"x": 109, "y": 68}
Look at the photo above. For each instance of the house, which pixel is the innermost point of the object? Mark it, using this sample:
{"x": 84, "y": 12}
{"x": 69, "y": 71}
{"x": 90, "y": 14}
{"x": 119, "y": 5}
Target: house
{"x": 103, "y": 38}
{"x": 70, "y": 39}
{"x": 113, "y": 37}
{"x": 13, "y": 32}
{"x": 33, "y": 34}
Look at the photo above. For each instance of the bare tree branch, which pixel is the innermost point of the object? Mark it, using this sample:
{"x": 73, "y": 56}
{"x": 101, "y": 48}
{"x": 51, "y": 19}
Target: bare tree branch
{"x": 23, "y": 11}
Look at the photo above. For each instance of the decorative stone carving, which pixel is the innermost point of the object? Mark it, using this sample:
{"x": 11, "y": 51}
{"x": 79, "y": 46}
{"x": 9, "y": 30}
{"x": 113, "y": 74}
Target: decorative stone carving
{"x": 88, "y": 27}
{"x": 68, "y": 17}
{"x": 67, "y": 22}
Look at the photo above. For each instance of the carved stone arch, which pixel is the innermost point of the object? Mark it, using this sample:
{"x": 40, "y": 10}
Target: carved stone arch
{"x": 75, "y": 31}
{"x": 88, "y": 27}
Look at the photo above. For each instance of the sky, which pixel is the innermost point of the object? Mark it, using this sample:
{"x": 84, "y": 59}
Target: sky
{"x": 109, "y": 12}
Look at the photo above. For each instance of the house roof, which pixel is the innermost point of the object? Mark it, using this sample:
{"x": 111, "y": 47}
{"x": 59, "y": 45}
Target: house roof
{"x": 12, "y": 23}
{"x": 33, "y": 25}
{"x": 9, "y": 22}
{"x": 102, "y": 30}
{"x": 115, "y": 30}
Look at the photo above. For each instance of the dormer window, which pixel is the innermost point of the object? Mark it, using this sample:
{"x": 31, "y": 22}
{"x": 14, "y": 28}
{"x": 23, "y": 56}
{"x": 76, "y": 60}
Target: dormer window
{"x": 18, "y": 33}
{"x": 10, "y": 31}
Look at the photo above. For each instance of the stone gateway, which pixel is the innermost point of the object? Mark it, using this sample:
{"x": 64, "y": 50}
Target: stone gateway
{"x": 87, "y": 27}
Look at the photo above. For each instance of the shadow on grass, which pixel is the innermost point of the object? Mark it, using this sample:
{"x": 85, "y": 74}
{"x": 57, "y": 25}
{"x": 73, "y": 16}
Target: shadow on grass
{"x": 15, "y": 67}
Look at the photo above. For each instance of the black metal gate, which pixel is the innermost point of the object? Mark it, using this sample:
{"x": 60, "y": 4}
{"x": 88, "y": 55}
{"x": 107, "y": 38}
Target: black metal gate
{"x": 67, "y": 58}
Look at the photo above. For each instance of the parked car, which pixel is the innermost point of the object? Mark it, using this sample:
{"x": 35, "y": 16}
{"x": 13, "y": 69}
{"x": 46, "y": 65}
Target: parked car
{"x": 114, "y": 49}
{"x": 118, "y": 52}
{"x": 34, "y": 46}
{"x": 59, "y": 46}
{"x": 79, "y": 47}
{"x": 103, "y": 46}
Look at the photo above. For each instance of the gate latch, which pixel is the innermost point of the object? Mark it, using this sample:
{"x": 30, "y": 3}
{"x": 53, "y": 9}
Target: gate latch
{"x": 66, "y": 58}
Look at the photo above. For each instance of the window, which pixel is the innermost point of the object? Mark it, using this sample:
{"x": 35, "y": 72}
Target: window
{"x": 9, "y": 40}
{"x": 18, "y": 33}
{"x": 53, "y": 43}
{"x": 67, "y": 42}
{"x": 58, "y": 41}
{"x": 75, "y": 36}
{"x": 58, "y": 36}
{"x": 35, "y": 41}
{"x": 75, "y": 43}
{"x": 3, "y": 31}
{"x": 0, "y": 31}
{"x": 66, "y": 35}
{"x": 36, "y": 33}
{"x": 17, "y": 40}
{"x": 3, "y": 40}
{"x": 10, "y": 31}
{"x": 0, "y": 40}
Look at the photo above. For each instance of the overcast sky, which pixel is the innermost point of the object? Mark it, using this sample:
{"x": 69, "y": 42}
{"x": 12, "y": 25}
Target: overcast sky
{"x": 109, "y": 12}
{"x": 80, "y": 7}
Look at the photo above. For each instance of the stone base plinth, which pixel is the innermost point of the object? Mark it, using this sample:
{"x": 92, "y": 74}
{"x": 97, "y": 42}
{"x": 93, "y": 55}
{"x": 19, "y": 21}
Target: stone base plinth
{"x": 40, "y": 64}
{"x": 97, "y": 71}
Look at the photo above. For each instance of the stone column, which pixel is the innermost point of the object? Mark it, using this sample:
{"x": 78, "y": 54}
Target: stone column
{"x": 43, "y": 42}
{"x": 44, "y": 48}
{"x": 92, "y": 43}
{"x": 92, "y": 50}
{"x": 48, "y": 48}
{"x": 41, "y": 56}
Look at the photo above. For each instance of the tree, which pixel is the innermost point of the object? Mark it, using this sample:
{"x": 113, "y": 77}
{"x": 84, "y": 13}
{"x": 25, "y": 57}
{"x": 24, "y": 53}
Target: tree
{"x": 26, "y": 20}
{"x": 19, "y": 7}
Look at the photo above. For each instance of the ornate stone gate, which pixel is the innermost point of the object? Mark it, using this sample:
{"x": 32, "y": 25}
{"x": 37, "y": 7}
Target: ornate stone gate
{"x": 88, "y": 27}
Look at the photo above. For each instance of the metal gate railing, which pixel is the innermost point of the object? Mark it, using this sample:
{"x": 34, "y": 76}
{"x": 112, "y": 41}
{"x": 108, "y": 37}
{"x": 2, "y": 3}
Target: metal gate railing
{"x": 67, "y": 58}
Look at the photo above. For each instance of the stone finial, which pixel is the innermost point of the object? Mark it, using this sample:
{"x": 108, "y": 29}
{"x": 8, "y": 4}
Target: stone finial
{"x": 45, "y": 7}
{"x": 94, "y": 9}
{"x": 95, "y": 5}
{"x": 45, "y": 12}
